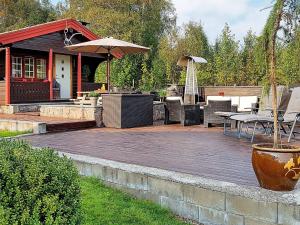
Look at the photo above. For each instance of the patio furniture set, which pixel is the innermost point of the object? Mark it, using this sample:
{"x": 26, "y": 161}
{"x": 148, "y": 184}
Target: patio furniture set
{"x": 288, "y": 109}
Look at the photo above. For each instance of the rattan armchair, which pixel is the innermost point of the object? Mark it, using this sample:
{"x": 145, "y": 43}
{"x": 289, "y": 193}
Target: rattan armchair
{"x": 177, "y": 112}
{"x": 216, "y": 106}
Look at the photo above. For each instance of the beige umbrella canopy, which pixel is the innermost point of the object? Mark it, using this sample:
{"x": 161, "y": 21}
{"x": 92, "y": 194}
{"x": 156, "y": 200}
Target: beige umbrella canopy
{"x": 109, "y": 46}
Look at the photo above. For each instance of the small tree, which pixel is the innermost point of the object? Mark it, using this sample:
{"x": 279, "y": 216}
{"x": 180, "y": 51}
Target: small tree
{"x": 284, "y": 16}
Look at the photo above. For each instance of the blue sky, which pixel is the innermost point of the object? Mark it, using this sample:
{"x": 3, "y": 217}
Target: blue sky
{"x": 241, "y": 15}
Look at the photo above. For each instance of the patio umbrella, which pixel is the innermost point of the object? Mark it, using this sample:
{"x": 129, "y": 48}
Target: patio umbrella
{"x": 110, "y": 47}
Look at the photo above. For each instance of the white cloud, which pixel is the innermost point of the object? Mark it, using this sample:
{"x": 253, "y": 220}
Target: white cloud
{"x": 241, "y": 15}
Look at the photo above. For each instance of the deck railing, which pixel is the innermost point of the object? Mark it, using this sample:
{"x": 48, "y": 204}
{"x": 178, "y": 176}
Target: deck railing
{"x": 86, "y": 86}
{"x": 2, "y": 92}
{"x": 22, "y": 92}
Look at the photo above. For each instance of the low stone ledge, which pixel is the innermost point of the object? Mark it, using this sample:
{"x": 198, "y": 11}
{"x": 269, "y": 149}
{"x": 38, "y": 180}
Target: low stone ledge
{"x": 76, "y": 112}
{"x": 200, "y": 199}
{"x": 22, "y": 126}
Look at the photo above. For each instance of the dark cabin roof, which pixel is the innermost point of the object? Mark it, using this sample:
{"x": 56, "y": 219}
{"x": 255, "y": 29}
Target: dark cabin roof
{"x": 43, "y": 29}
{"x": 41, "y": 37}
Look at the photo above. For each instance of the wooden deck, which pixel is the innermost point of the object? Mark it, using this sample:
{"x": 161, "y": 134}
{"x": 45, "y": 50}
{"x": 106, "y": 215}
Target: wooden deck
{"x": 193, "y": 150}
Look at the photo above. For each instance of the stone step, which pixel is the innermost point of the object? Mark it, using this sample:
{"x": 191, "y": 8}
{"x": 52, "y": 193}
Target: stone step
{"x": 70, "y": 126}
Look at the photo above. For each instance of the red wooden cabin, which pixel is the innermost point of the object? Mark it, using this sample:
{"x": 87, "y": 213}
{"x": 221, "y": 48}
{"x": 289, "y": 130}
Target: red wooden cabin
{"x": 35, "y": 66}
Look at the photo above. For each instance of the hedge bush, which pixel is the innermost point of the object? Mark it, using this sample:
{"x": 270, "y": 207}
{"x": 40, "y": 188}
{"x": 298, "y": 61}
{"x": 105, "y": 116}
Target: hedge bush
{"x": 37, "y": 186}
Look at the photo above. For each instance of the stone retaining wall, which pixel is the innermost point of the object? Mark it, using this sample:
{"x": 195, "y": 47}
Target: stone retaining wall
{"x": 17, "y": 125}
{"x": 159, "y": 113}
{"x": 203, "y": 200}
{"x": 26, "y": 107}
{"x": 75, "y": 112}
{"x": 93, "y": 113}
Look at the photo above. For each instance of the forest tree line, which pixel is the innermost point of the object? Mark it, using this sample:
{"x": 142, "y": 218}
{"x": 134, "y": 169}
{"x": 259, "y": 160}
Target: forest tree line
{"x": 152, "y": 23}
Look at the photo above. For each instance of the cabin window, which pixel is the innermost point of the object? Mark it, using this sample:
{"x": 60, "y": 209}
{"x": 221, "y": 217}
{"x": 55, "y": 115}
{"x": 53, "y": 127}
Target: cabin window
{"x": 41, "y": 68}
{"x": 29, "y": 67}
{"x": 17, "y": 67}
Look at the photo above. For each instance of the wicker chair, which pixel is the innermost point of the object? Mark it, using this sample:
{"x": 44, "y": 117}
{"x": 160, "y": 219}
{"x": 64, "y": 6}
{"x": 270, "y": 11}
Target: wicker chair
{"x": 173, "y": 110}
{"x": 177, "y": 112}
{"x": 216, "y": 106}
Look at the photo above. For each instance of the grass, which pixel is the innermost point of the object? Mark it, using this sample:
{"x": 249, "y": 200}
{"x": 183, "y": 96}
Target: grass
{"x": 6, "y": 133}
{"x": 106, "y": 206}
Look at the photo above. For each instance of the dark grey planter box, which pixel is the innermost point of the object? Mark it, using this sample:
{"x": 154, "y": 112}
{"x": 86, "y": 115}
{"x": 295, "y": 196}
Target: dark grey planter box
{"x": 127, "y": 110}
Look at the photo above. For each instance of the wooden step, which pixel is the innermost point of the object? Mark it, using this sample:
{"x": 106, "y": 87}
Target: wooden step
{"x": 28, "y": 114}
{"x": 70, "y": 126}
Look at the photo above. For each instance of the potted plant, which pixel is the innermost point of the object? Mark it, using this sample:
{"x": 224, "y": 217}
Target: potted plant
{"x": 277, "y": 165}
{"x": 162, "y": 95}
{"x": 93, "y": 96}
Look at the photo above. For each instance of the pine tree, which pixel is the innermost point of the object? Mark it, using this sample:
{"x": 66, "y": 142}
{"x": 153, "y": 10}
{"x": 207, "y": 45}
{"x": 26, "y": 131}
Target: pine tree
{"x": 227, "y": 59}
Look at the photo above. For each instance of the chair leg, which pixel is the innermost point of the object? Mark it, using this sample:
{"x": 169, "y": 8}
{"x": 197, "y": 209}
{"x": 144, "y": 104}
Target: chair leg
{"x": 240, "y": 124}
{"x": 292, "y": 130}
{"x": 247, "y": 128}
{"x": 253, "y": 133}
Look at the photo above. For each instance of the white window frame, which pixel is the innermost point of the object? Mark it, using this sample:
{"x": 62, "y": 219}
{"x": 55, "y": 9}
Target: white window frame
{"x": 29, "y": 64}
{"x": 41, "y": 68}
{"x": 16, "y": 62}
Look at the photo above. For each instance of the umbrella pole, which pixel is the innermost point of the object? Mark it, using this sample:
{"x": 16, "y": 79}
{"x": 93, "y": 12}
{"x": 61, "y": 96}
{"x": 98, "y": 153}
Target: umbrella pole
{"x": 108, "y": 72}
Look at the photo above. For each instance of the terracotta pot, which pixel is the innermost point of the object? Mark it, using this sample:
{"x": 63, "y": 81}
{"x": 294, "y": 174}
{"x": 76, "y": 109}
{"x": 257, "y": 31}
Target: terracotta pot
{"x": 276, "y": 169}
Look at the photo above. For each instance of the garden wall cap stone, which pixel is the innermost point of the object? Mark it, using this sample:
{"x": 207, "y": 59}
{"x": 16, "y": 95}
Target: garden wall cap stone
{"x": 255, "y": 193}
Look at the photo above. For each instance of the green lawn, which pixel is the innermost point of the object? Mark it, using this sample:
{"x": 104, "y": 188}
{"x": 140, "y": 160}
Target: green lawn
{"x": 106, "y": 206}
{"x": 6, "y": 133}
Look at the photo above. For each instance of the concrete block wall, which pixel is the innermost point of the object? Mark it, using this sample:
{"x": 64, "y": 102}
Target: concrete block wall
{"x": 202, "y": 200}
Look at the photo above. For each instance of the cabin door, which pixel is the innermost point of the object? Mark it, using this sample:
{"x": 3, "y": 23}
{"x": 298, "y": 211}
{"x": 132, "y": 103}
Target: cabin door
{"x": 63, "y": 74}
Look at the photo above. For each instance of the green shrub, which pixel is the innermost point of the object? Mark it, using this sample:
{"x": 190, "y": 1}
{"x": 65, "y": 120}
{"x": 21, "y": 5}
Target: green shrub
{"x": 162, "y": 93}
{"x": 37, "y": 186}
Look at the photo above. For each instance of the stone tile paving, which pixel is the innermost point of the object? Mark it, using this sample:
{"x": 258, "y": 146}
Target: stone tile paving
{"x": 194, "y": 150}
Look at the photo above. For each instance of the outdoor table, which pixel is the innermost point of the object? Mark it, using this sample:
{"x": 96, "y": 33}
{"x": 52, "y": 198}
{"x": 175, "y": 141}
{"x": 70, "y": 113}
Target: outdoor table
{"x": 226, "y": 116}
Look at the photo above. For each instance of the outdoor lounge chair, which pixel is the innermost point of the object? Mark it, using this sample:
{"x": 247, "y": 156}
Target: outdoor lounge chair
{"x": 265, "y": 119}
{"x": 292, "y": 114}
{"x": 264, "y": 109}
